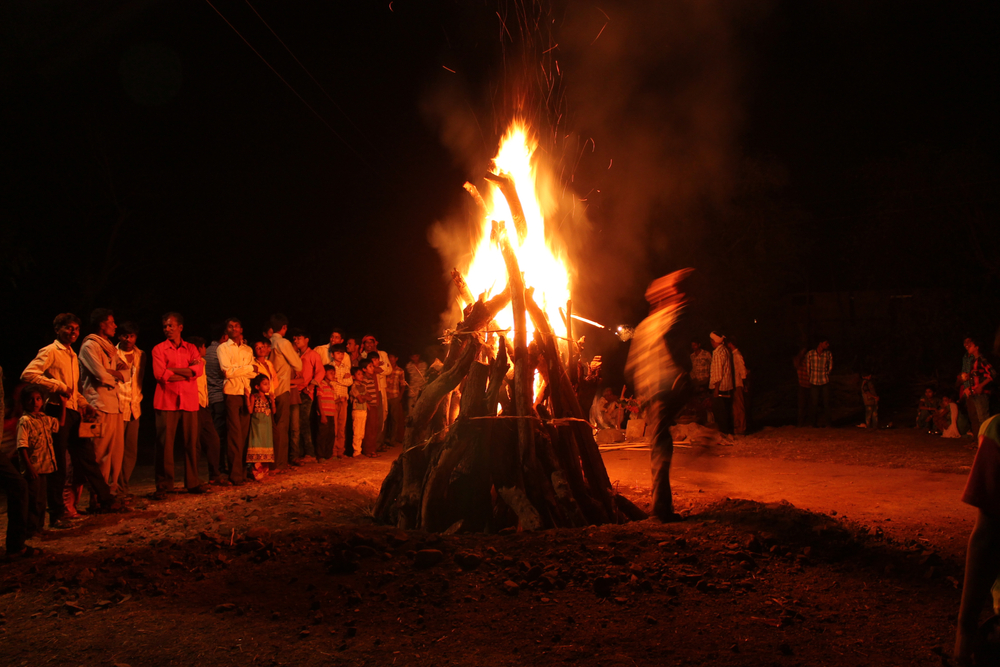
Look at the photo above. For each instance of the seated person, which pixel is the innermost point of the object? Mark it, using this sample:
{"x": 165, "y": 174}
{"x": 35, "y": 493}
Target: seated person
{"x": 946, "y": 419}
{"x": 606, "y": 412}
{"x": 928, "y": 405}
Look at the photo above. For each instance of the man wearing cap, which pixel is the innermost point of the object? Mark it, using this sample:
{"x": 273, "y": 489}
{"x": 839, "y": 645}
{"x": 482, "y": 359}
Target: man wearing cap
{"x": 662, "y": 387}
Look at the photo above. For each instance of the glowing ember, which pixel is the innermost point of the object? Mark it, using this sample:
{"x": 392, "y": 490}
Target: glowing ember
{"x": 542, "y": 269}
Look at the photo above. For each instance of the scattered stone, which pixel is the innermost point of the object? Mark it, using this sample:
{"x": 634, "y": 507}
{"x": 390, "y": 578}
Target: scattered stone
{"x": 468, "y": 560}
{"x": 304, "y": 634}
{"x": 510, "y": 587}
{"x": 427, "y": 558}
{"x": 226, "y": 606}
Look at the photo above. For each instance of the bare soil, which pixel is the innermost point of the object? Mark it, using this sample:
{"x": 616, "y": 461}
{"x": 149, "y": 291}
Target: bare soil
{"x": 292, "y": 571}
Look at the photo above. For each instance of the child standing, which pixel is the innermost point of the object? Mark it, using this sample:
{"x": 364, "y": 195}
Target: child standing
{"x": 373, "y": 396}
{"x": 34, "y": 445}
{"x": 328, "y": 402}
{"x": 870, "y": 398}
{"x": 260, "y": 405}
{"x": 359, "y": 407}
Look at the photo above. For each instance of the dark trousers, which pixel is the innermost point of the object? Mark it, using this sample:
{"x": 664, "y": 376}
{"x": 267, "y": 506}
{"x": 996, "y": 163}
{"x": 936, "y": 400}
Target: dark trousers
{"x": 803, "y": 396}
{"x": 815, "y": 392}
{"x": 326, "y": 437}
{"x": 237, "y": 433}
{"x": 16, "y": 489}
{"x": 86, "y": 469}
{"x": 167, "y": 422}
{"x": 303, "y": 446}
{"x": 60, "y": 445}
{"x": 394, "y": 424}
{"x": 663, "y": 411}
{"x": 373, "y": 429}
{"x": 282, "y": 418}
{"x": 36, "y": 503}
{"x": 739, "y": 411}
{"x": 208, "y": 439}
{"x": 219, "y": 420}
{"x": 722, "y": 408}
{"x": 131, "y": 452}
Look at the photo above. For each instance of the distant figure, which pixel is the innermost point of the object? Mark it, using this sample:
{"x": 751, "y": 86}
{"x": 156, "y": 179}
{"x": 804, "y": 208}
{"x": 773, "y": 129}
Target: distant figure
{"x": 802, "y": 374}
{"x": 739, "y": 389}
{"x": 926, "y": 407}
{"x": 946, "y": 419}
{"x": 373, "y": 422}
{"x": 870, "y": 398}
{"x": 286, "y": 361}
{"x": 260, "y": 445}
{"x": 237, "y": 364}
{"x": 395, "y": 381}
{"x": 701, "y": 374}
{"x": 359, "y": 407}
{"x": 416, "y": 379}
{"x": 982, "y": 379}
{"x": 208, "y": 438}
{"x": 130, "y": 398}
{"x": 661, "y": 386}
{"x": 606, "y": 411}
{"x": 819, "y": 361}
{"x": 305, "y": 383}
{"x": 215, "y": 381}
{"x": 723, "y": 382}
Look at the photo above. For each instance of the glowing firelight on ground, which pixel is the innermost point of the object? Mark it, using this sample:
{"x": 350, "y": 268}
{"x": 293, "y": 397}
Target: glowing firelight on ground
{"x": 542, "y": 269}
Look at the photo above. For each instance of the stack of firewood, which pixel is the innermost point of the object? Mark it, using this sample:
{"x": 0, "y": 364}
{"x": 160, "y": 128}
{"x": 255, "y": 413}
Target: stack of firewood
{"x": 531, "y": 466}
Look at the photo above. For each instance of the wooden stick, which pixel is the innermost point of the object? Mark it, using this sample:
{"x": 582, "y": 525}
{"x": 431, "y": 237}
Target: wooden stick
{"x": 463, "y": 287}
{"x": 573, "y": 352}
{"x": 478, "y": 198}
{"x": 506, "y": 185}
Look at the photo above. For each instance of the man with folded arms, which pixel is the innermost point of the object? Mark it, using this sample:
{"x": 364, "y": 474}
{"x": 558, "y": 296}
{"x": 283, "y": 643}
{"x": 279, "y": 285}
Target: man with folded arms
{"x": 176, "y": 367}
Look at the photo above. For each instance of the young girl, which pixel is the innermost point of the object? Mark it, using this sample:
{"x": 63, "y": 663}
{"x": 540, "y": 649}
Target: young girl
{"x": 260, "y": 404}
{"x": 34, "y": 445}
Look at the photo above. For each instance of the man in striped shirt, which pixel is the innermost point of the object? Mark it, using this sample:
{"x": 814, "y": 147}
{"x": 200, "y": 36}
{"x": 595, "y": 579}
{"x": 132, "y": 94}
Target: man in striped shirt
{"x": 819, "y": 363}
{"x": 722, "y": 383}
{"x": 661, "y": 386}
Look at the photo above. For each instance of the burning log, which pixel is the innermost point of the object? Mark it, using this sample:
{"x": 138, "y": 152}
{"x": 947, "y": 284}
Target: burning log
{"x": 487, "y": 471}
{"x": 506, "y": 185}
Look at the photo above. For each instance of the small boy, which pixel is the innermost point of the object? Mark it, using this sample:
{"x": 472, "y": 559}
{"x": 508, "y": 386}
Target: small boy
{"x": 328, "y": 402}
{"x": 207, "y": 435}
{"x": 130, "y": 398}
{"x": 342, "y": 385}
{"x": 34, "y": 445}
{"x": 359, "y": 407}
{"x": 870, "y": 398}
{"x": 926, "y": 407}
{"x": 371, "y": 367}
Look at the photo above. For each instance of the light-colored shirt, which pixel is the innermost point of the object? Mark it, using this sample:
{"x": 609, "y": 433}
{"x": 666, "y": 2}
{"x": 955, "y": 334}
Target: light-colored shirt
{"x": 722, "y": 369}
{"x": 34, "y": 433}
{"x": 202, "y": 382}
{"x": 130, "y": 393}
{"x": 57, "y": 368}
{"x": 97, "y": 357}
{"x": 739, "y": 368}
{"x": 650, "y": 364}
{"x": 236, "y": 364}
{"x": 180, "y": 394}
{"x": 286, "y": 360}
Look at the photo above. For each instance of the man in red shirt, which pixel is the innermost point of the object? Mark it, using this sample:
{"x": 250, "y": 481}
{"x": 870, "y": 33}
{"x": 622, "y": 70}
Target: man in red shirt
{"x": 176, "y": 367}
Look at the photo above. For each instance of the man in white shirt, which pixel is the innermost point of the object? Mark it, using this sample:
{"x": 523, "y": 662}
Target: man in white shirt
{"x": 57, "y": 368}
{"x": 286, "y": 361}
{"x": 101, "y": 371}
{"x": 237, "y": 365}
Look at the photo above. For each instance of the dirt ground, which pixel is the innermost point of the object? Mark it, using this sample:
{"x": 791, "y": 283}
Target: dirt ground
{"x": 766, "y": 570}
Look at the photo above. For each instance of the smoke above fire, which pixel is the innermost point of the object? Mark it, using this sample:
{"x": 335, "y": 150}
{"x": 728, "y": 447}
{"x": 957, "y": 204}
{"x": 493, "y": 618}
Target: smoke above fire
{"x": 638, "y": 110}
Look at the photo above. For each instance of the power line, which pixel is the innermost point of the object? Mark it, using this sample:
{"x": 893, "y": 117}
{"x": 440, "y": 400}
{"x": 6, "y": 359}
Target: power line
{"x": 304, "y": 69}
{"x": 302, "y": 99}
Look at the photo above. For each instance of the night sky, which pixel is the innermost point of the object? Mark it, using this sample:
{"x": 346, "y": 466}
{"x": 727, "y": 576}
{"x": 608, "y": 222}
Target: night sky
{"x": 153, "y": 162}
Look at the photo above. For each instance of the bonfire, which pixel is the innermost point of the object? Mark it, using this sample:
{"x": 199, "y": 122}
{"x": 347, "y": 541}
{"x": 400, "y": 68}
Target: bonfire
{"x": 518, "y": 453}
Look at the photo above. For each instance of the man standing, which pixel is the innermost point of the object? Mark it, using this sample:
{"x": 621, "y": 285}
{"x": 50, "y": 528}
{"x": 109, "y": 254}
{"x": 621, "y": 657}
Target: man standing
{"x": 57, "y": 368}
{"x": 739, "y": 390}
{"x": 305, "y": 383}
{"x": 325, "y": 352}
{"x": 722, "y": 382}
{"x": 980, "y": 386}
{"x": 176, "y": 367}
{"x": 286, "y": 361}
{"x": 101, "y": 371}
{"x": 130, "y": 397}
{"x": 208, "y": 437}
{"x": 661, "y": 386}
{"x": 214, "y": 381}
{"x": 701, "y": 374}
{"x": 237, "y": 365}
{"x": 819, "y": 361}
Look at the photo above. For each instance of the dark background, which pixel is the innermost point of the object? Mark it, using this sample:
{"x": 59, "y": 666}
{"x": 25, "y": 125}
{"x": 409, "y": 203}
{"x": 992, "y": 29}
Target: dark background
{"x": 804, "y": 157}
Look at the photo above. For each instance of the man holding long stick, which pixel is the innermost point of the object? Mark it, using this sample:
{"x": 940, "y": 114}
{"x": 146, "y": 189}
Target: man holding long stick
{"x": 661, "y": 386}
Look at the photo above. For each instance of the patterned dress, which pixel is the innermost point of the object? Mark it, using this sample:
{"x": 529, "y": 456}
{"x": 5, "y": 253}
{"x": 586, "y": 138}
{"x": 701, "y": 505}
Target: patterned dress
{"x": 261, "y": 446}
